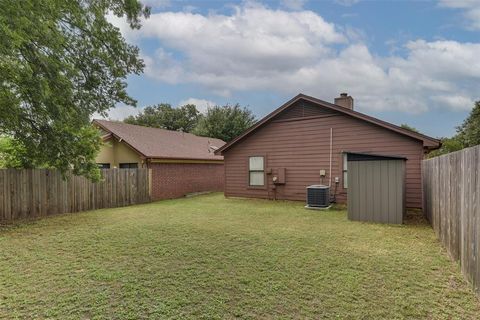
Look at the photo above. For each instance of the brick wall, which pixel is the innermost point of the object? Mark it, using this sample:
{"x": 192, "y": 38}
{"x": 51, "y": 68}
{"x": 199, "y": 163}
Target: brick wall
{"x": 174, "y": 180}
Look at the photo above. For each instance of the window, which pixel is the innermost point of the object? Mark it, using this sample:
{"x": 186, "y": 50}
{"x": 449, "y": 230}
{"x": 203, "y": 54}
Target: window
{"x": 345, "y": 171}
{"x": 103, "y": 165}
{"x": 256, "y": 171}
{"x": 128, "y": 165}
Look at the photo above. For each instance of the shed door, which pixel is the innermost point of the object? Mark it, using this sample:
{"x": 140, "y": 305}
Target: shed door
{"x": 376, "y": 190}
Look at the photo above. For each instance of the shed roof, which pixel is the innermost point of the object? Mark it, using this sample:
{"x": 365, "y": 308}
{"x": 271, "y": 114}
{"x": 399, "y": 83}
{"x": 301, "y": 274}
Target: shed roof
{"x": 428, "y": 142}
{"x": 360, "y": 156}
{"x": 163, "y": 144}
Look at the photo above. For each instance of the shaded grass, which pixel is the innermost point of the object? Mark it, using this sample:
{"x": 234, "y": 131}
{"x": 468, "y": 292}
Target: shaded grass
{"x": 210, "y": 257}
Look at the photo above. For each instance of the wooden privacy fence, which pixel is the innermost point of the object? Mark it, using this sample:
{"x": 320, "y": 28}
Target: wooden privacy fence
{"x": 30, "y": 193}
{"x": 451, "y": 186}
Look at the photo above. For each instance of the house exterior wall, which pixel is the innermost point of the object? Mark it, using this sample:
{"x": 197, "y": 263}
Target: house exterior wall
{"x": 300, "y": 143}
{"x": 106, "y": 154}
{"x": 125, "y": 154}
{"x": 174, "y": 180}
{"x": 114, "y": 153}
{"x": 170, "y": 178}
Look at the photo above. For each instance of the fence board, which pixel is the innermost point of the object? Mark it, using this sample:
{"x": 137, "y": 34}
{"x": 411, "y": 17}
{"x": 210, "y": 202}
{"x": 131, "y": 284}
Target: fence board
{"x": 31, "y": 193}
{"x": 451, "y": 194}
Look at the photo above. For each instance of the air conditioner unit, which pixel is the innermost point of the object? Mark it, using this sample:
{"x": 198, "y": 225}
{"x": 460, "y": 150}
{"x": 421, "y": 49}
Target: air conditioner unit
{"x": 318, "y": 196}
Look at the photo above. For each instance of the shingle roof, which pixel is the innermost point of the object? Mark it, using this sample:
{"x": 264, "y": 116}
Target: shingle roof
{"x": 161, "y": 143}
{"x": 428, "y": 142}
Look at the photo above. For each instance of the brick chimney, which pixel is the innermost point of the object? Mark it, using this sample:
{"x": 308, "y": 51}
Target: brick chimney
{"x": 345, "y": 101}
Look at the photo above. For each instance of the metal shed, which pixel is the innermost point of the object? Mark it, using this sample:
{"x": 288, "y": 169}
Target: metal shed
{"x": 376, "y": 188}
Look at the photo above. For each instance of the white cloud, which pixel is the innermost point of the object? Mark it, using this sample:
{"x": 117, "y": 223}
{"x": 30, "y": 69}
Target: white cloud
{"x": 471, "y": 9}
{"x": 347, "y": 3}
{"x": 163, "y": 66}
{"x": 456, "y": 102}
{"x": 159, "y": 4}
{"x": 459, "y": 3}
{"x": 293, "y": 4}
{"x": 201, "y": 104}
{"x": 251, "y": 43}
{"x": 119, "y": 113}
{"x": 189, "y": 8}
{"x": 258, "y": 48}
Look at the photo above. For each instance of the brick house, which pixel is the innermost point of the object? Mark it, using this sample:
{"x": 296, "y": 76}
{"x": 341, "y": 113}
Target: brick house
{"x": 181, "y": 162}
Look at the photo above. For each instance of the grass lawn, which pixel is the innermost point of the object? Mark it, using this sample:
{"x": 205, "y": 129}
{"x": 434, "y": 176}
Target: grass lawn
{"x": 210, "y": 257}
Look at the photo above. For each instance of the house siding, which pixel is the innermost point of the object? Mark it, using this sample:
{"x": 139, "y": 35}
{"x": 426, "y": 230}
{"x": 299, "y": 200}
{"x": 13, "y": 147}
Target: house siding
{"x": 300, "y": 143}
{"x": 174, "y": 180}
{"x": 115, "y": 152}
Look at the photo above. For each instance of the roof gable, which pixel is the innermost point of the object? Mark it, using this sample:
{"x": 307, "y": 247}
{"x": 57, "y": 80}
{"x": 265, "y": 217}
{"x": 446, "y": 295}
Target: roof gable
{"x": 162, "y": 144}
{"x": 306, "y": 102}
{"x": 302, "y": 108}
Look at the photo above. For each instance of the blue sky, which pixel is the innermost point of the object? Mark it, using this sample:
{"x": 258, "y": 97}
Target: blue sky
{"x": 404, "y": 62}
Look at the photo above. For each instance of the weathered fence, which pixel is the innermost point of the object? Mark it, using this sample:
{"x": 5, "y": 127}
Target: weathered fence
{"x": 451, "y": 186}
{"x": 30, "y": 193}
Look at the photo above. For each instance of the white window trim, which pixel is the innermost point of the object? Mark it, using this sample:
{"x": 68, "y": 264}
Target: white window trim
{"x": 256, "y": 170}
{"x": 345, "y": 170}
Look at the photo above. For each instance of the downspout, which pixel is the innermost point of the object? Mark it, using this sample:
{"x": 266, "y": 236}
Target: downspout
{"x": 331, "y": 151}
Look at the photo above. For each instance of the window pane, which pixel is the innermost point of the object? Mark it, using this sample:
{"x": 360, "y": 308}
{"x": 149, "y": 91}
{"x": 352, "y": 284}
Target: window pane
{"x": 256, "y": 179}
{"x": 256, "y": 163}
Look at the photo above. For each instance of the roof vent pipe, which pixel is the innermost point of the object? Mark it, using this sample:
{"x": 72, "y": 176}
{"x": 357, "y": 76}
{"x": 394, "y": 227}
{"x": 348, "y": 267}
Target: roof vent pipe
{"x": 345, "y": 101}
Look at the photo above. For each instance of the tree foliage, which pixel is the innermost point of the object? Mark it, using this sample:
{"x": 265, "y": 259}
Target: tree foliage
{"x": 60, "y": 62}
{"x": 14, "y": 155}
{"x": 469, "y": 131}
{"x": 448, "y": 145}
{"x": 406, "y": 126}
{"x": 225, "y": 122}
{"x": 468, "y": 134}
{"x": 164, "y": 116}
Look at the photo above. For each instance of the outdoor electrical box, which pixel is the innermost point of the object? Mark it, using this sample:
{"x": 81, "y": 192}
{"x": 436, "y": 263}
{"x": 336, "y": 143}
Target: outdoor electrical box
{"x": 280, "y": 176}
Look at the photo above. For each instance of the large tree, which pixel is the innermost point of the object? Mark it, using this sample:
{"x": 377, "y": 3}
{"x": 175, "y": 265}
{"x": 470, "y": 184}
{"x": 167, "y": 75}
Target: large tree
{"x": 60, "y": 62}
{"x": 225, "y": 122}
{"x": 164, "y": 116}
{"x": 469, "y": 131}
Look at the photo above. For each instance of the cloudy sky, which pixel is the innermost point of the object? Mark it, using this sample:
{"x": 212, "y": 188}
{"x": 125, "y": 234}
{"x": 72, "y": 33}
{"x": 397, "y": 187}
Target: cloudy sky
{"x": 404, "y": 62}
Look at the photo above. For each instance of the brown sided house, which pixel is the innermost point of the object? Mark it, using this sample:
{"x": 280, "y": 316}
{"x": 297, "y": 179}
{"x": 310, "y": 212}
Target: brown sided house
{"x": 306, "y": 142}
{"x": 181, "y": 162}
